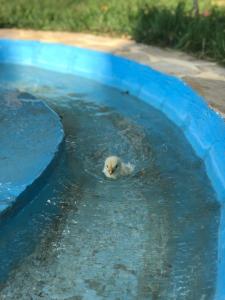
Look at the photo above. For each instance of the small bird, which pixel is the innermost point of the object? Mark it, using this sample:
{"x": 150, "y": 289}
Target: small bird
{"x": 114, "y": 167}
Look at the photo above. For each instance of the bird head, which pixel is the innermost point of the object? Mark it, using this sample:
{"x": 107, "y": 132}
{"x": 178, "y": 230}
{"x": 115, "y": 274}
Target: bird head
{"x": 112, "y": 166}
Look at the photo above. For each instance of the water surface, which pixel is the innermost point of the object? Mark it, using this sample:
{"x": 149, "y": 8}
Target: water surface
{"x": 152, "y": 235}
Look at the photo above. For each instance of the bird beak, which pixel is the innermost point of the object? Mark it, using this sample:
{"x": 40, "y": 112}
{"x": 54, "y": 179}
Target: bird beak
{"x": 110, "y": 172}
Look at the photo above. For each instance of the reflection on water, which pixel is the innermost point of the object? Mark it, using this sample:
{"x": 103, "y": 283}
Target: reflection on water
{"x": 152, "y": 235}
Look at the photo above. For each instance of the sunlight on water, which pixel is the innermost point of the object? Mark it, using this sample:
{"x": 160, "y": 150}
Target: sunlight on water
{"x": 152, "y": 235}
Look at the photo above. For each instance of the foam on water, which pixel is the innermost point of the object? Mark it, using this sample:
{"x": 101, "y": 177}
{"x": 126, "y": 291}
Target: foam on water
{"x": 152, "y": 235}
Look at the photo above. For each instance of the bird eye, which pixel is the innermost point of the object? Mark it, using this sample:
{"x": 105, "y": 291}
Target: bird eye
{"x": 107, "y": 166}
{"x": 116, "y": 166}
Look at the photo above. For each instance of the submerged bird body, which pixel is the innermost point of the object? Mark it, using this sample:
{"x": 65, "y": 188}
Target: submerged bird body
{"x": 114, "y": 167}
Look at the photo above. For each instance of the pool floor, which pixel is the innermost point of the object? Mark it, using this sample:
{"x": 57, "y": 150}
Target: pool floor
{"x": 152, "y": 235}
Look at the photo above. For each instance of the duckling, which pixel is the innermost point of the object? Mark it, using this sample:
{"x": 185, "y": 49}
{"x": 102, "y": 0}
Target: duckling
{"x": 114, "y": 167}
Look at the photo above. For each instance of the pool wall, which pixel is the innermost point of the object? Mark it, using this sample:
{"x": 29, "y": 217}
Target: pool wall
{"x": 31, "y": 135}
{"x": 203, "y": 127}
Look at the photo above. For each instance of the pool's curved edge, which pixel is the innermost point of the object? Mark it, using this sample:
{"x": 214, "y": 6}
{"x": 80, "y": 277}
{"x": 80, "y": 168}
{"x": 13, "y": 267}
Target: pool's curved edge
{"x": 33, "y": 189}
{"x": 204, "y": 129}
{"x": 48, "y": 157}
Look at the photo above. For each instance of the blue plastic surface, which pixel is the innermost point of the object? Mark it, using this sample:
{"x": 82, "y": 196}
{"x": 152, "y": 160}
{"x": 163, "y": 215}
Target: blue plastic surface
{"x": 204, "y": 129}
{"x": 30, "y": 134}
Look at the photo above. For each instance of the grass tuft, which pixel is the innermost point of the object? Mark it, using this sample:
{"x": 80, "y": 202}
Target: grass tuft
{"x": 203, "y": 36}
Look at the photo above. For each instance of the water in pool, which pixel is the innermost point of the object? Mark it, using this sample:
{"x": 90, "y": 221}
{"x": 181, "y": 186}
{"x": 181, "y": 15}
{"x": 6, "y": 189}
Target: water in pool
{"x": 152, "y": 235}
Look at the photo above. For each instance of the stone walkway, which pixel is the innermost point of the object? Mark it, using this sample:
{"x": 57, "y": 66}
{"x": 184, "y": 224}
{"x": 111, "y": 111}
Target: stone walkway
{"x": 207, "y": 78}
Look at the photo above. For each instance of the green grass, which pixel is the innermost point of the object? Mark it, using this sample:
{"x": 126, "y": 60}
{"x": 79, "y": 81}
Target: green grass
{"x": 165, "y": 23}
{"x": 113, "y": 16}
{"x": 203, "y": 36}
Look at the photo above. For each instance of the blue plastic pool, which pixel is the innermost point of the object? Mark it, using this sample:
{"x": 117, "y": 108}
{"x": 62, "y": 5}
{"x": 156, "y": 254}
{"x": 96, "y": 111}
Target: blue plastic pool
{"x": 151, "y": 236}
